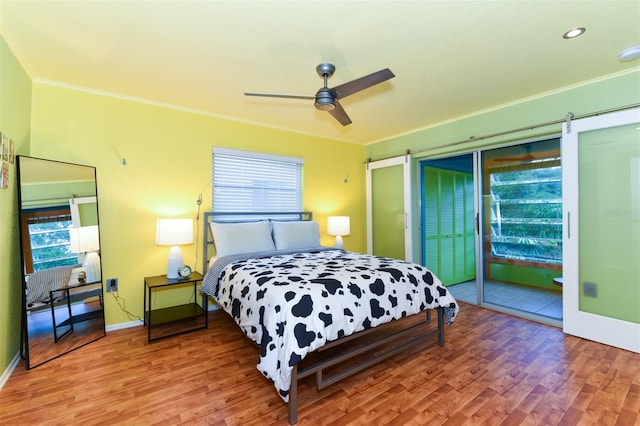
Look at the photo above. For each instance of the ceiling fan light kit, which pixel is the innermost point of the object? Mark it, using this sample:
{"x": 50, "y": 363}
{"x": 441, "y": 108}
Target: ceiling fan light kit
{"x": 326, "y": 99}
{"x": 630, "y": 53}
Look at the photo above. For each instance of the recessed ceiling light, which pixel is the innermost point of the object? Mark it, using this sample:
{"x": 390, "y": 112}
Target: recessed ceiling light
{"x": 630, "y": 53}
{"x": 573, "y": 33}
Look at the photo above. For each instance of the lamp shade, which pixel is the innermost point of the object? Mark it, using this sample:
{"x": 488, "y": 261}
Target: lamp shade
{"x": 338, "y": 225}
{"x": 84, "y": 239}
{"x": 173, "y": 232}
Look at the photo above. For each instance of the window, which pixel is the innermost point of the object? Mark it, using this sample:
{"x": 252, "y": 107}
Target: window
{"x": 252, "y": 182}
{"x": 47, "y": 242}
{"x": 526, "y": 210}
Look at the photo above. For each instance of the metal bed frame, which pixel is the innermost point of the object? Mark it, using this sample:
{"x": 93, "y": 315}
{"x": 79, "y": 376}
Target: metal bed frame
{"x": 404, "y": 338}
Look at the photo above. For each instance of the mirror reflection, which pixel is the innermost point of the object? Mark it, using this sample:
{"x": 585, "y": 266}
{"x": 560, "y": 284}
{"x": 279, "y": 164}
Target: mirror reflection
{"x": 60, "y": 244}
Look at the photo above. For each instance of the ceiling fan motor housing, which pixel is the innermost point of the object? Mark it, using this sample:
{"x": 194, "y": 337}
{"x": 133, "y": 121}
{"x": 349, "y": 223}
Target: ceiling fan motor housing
{"x": 325, "y": 101}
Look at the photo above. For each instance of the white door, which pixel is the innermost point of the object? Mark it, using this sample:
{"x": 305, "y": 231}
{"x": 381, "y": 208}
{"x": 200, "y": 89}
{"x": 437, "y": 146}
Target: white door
{"x": 601, "y": 228}
{"x": 84, "y": 211}
{"x": 388, "y": 186}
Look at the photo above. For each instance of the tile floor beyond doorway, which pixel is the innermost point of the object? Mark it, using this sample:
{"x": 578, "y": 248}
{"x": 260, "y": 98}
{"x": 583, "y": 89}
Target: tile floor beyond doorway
{"x": 527, "y": 299}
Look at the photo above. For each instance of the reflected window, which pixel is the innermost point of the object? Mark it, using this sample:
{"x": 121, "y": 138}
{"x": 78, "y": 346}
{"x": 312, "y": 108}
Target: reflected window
{"x": 48, "y": 244}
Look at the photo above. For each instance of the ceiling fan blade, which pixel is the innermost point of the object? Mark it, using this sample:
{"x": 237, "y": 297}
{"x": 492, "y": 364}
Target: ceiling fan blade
{"x": 271, "y": 95}
{"x": 361, "y": 83}
{"x": 340, "y": 114}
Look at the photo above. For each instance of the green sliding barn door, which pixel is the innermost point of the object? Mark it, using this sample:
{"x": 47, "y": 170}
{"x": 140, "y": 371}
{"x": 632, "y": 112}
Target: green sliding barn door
{"x": 388, "y": 194}
{"x": 449, "y": 240}
{"x": 601, "y": 232}
{"x": 388, "y": 212}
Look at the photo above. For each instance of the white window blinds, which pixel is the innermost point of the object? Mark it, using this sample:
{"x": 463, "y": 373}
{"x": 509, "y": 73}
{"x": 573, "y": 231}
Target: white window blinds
{"x": 252, "y": 182}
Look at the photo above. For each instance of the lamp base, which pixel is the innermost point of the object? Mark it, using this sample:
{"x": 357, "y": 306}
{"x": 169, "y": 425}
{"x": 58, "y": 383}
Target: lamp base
{"x": 175, "y": 262}
{"x": 92, "y": 267}
{"x": 338, "y": 243}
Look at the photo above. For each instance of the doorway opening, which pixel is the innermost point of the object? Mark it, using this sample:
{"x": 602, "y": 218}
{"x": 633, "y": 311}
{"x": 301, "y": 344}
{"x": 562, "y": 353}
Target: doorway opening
{"x": 505, "y": 250}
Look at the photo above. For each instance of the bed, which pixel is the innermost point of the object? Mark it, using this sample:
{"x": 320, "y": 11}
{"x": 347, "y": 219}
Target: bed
{"x": 40, "y": 284}
{"x": 296, "y": 299}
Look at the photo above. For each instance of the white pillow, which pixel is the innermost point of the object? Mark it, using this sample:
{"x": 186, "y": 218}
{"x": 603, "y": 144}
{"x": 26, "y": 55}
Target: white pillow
{"x": 236, "y": 238}
{"x": 296, "y": 235}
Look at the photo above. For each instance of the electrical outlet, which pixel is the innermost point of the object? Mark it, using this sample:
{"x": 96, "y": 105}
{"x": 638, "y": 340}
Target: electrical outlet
{"x": 112, "y": 285}
{"x": 590, "y": 289}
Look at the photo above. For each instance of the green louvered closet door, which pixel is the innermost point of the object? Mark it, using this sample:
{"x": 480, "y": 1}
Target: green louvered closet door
{"x": 449, "y": 245}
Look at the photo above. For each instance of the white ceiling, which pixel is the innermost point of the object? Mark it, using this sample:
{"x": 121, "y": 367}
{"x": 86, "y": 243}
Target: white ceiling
{"x": 450, "y": 58}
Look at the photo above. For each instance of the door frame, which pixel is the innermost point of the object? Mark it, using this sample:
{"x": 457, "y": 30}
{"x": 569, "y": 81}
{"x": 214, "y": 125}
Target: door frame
{"x": 479, "y": 219}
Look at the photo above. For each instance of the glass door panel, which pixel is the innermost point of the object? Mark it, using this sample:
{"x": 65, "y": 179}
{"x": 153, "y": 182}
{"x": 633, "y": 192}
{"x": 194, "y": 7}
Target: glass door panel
{"x": 388, "y": 197}
{"x": 522, "y": 227}
{"x": 388, "y": 212}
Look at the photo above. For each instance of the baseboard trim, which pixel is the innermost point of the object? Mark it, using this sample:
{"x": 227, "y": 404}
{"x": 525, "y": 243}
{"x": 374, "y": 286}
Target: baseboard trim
{"x": 136, "y": 323}
{"x": 7, "y": 373}
{"x": 123, "y": 325}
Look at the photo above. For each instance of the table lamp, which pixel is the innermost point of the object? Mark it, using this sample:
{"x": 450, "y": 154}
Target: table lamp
{"x": 174, "y": 232}
{"x": 86, "y": 239}
{"x": 338, "y": 226}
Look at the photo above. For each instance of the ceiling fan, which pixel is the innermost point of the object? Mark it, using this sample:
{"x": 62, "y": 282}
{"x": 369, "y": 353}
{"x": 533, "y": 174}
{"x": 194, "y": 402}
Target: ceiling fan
{"x": 326, "y": 99}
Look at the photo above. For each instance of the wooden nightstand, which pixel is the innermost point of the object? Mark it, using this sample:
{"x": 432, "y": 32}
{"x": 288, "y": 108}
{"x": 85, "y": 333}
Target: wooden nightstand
{"x": 174, "y": 314}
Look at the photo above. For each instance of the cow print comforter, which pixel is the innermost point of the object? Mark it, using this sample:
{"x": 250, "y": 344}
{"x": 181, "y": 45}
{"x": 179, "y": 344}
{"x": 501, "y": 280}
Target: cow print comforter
{"x": 291, "y": 304}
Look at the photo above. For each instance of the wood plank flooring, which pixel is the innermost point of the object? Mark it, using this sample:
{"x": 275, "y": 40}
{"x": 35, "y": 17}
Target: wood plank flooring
{"x": 40, "y": 326}
{"x": 495, "y": 369}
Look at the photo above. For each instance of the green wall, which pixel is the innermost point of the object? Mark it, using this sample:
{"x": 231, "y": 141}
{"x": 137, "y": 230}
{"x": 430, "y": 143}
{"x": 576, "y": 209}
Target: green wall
{"x": 607, "y": 93}
{"x": 15, "y": 106}
{"x": 611, "y": 92}
{"x": 525, "y": 275}
{"x": 33, "y": 194}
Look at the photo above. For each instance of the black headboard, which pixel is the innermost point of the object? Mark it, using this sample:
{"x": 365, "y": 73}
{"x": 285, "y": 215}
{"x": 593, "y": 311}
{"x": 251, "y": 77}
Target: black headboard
{"x": 236, "y": 217}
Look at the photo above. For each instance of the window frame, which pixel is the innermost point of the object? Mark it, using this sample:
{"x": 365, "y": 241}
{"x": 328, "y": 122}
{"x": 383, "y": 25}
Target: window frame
{"x": 542, "y": 157}
{"x": 40, "y": 215}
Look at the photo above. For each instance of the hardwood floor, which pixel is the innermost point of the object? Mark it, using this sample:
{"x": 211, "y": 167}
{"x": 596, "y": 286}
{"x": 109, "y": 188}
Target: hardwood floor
{"x": 40, "y": 325}
{"x": 494, "y": 369}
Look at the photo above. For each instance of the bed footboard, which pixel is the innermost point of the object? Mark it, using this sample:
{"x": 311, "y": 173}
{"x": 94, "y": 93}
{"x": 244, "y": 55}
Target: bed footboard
{"x": 319, "y": 367}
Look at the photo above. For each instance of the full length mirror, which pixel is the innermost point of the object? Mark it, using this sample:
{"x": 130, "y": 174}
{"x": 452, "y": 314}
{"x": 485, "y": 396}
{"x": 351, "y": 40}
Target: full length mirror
{"x": 62, "y": 295}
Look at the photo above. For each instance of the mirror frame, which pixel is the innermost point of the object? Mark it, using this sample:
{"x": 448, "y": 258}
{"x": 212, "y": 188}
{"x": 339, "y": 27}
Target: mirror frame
{"x": 81, "y": 334}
